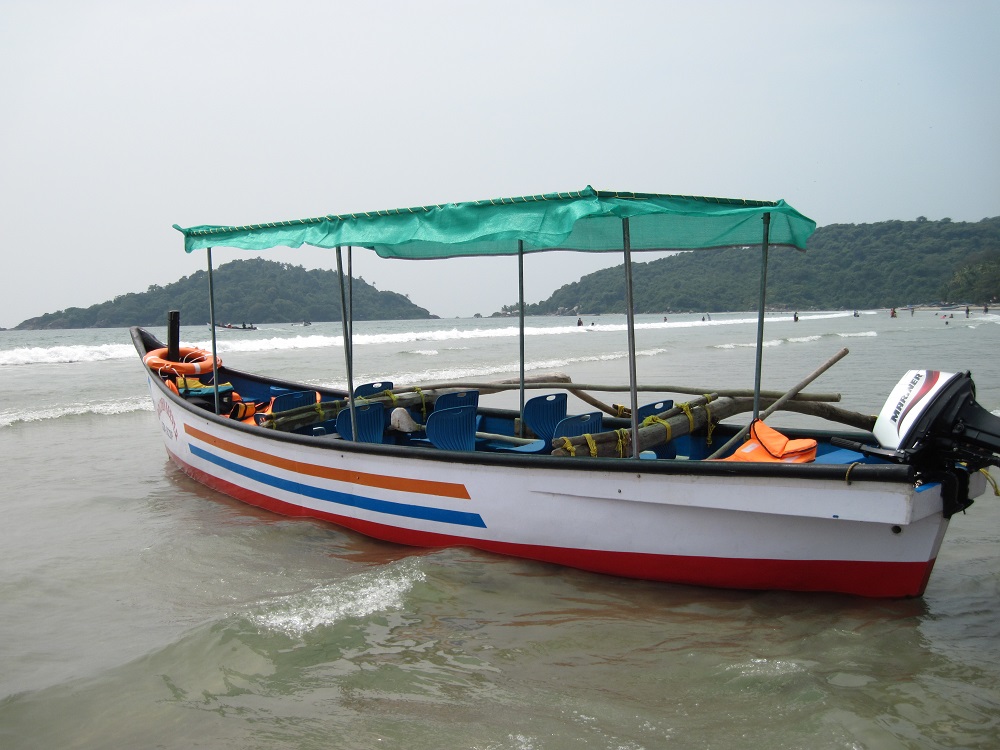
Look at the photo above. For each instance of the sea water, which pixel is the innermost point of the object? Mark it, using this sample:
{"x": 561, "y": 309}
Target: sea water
{"x": 140, "y": 609}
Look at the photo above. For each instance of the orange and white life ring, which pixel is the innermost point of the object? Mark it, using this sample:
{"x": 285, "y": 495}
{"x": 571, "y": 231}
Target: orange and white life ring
{"x": 193, "y": 361}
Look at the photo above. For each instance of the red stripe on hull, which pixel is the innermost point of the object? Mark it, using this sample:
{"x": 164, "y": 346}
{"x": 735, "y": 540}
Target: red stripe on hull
{"x": 857, "y": 577}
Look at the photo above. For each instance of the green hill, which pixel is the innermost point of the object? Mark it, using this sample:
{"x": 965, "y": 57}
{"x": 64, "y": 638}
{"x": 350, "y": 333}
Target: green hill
{"x": 847, "y": 266}
{"x": 246, "y": 291}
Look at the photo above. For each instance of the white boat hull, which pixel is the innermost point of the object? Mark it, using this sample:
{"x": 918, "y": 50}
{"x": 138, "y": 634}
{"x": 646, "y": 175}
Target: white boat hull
{"x": 726, "y": 530}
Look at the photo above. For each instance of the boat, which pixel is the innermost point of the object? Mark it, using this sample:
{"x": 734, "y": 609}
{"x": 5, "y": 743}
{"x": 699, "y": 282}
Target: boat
{"x": 659, "y": 491}
{"x": 231, "y": 327}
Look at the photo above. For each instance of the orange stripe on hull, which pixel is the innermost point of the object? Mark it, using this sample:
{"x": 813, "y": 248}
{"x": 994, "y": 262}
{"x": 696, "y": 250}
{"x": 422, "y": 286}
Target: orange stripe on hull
{"x": 400, "y": 484}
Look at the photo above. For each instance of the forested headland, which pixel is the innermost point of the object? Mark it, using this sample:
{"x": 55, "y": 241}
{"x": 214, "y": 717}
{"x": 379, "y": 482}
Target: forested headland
{"x": 247, "y": 291}
{"x": 846, "y": 266}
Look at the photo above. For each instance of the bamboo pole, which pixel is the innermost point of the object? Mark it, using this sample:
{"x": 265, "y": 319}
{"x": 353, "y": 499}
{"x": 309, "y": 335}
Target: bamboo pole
{"x": 653, "y": 434}
{"x": 553, "y": 383}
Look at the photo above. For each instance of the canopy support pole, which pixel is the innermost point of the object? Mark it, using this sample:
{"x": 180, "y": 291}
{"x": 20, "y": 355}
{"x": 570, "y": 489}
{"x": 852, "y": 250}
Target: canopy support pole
{"x": 766, "y": 218}
{"x": 520, "y": 312}
{"x": 211, "y": 315}
{"x": 630, "y": 319}
{"x": 347, "y": 329}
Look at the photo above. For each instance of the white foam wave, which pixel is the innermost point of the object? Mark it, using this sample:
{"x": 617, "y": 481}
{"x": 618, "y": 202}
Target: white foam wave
{"x": 859, "y": 334}
{"x": 423, "y": 352}
{"x": 30, "y": 355}
{"x": 803, "y": 339}
{"x": 358, "y": 596}
{"x": 104, "y": 408}
{"x": 750, "y": 345}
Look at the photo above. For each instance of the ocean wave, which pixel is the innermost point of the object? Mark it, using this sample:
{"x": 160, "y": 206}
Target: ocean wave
{"x": 358, "y": 596}
{"x": 750, "y": 345}
{"x": 803, "y": 339}
{"x": 103, "y": 408}
{"x": 858, "y": 334}
{"x": 32, "y": 355}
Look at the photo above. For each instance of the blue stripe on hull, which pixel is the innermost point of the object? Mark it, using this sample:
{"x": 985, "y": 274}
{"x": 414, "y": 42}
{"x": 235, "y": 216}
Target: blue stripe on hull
{"x": 439, "y": 515}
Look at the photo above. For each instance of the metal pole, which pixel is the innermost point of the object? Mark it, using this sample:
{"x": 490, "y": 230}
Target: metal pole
{"x": 211, "y": 315}
{"x": 520, "y": 305}
{"x": 760, "y": 315}
{"x": 348, "y": 348}
{"x": 630, "y": 319}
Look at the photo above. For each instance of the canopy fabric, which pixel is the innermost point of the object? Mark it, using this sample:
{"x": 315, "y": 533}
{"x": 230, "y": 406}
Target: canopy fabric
{"x": 585, "y": 221}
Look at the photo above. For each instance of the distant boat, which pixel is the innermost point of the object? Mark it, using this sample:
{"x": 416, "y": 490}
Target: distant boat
{"x": 231, "y": 327}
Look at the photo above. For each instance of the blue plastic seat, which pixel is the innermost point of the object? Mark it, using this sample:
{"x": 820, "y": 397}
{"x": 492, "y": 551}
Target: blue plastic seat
{"x": 453, "y": 429}
{"x": 367, "y": 390}
{"x": 457, "y": 398}
{"x": 371, "y": 423}
{"x": 293, "y": 400}
{"x": 649, "y": 410}
{"x": 543, "y": 413}
{"x": 579, "y": 424}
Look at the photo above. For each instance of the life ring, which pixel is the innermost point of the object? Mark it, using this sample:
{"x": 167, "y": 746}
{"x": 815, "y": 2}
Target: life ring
{"x": 193, "y": 361}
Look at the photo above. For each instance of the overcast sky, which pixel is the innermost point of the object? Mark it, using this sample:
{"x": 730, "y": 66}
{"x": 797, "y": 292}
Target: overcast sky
{"x": 120, "y": 119}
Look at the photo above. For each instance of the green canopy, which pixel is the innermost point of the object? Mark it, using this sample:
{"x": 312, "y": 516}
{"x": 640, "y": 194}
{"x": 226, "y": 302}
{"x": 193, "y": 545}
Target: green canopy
{"x": 585, "y": 221}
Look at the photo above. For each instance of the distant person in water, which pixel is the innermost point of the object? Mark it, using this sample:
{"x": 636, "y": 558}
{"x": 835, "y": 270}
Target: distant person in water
{"x": 892, "y": 313}
{"x": 966, "y": 311}
{"x": 986, "y": 309}
{"x": 579, "y": 321}
{"x": 795, "y": 317}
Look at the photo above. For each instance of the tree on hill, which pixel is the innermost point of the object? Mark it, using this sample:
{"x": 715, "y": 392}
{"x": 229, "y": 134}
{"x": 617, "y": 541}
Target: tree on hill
{"x": 252, "y": 290}
{"x": 847, "y": 266}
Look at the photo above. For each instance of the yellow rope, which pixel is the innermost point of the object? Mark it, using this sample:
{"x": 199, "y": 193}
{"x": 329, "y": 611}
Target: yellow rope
{"x": 686, "y": 408}
{"x": 568, "y": 446}
{"x": 657, "y": 420}
{"x": 391, "y": 395}
{"x": 992, "y": 481}
{"x": 624, "y": 442}
{"x": 847, "y": 476}
{"x": 423, "y": 402}
{"x": 591, "y": 444}
{"x": 709, "y": 427}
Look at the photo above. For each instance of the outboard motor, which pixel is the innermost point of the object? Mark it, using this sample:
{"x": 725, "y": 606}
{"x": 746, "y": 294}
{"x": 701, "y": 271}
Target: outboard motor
{"x": 932, "y": 421}
{"x": 932, "y": 417}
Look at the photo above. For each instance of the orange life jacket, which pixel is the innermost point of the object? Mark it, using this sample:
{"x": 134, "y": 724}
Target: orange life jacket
{"x": 767, "y": 444}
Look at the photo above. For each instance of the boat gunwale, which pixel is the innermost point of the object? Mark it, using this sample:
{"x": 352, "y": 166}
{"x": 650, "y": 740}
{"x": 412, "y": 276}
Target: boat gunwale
{"x": 885, "y": 473}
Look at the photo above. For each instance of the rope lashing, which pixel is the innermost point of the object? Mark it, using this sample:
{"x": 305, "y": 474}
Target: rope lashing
{"x": 991, "y": 480}
{"x": 686, "y": 408}
{"x": 591, "y": 444}
{"x": 624, "y": 443}
{"x": 568, "y": 446}
{"x": 423, "y": 402}
{"x": 651, "y": 420}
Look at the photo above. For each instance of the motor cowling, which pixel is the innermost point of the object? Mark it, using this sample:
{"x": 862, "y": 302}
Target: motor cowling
{"x": 932, "y": 419}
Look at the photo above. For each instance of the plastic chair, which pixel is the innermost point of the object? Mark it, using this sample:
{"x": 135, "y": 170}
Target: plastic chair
{"x": 579, "y": 424}
{"x": 453, "y": 429}
{"x": 458, "y": 398}
{"x": 649, "y": 410}
{"x": 367, "y": 390}
{"x": 293, "y": 400}
{"x": 371, "y": 423}
{"x": 543, "y": 413}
